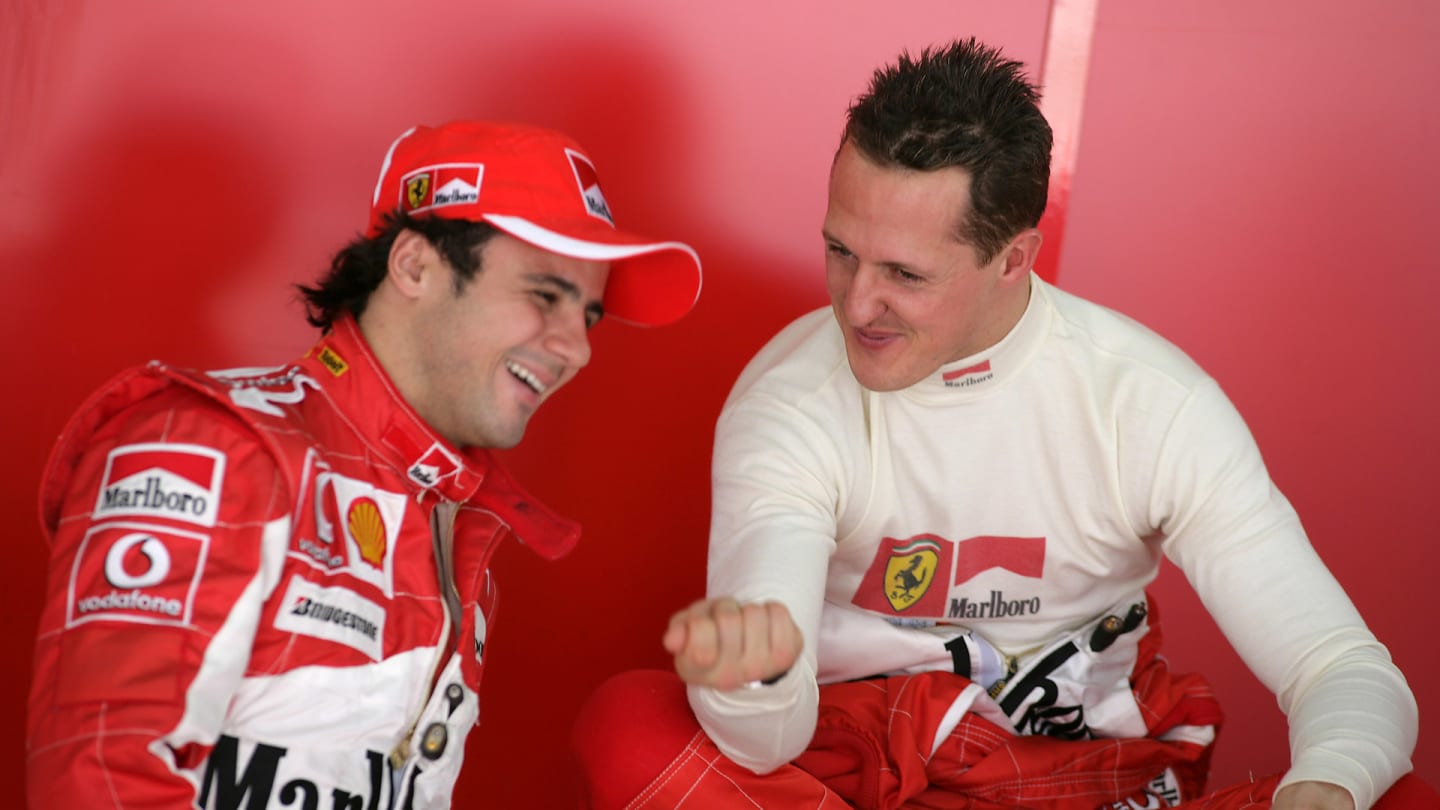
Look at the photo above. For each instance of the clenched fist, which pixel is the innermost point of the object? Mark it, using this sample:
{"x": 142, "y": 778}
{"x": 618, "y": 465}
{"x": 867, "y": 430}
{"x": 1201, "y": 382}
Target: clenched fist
{"x": 723, "y": 644}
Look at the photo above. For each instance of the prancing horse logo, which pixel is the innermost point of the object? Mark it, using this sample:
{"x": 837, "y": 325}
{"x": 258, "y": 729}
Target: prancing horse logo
{"x": 417, "y": 191}
{"x": 909, "y": 571}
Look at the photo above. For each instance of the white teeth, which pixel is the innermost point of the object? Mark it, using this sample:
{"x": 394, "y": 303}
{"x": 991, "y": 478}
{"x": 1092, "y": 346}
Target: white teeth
{"x": 523, "y": 375}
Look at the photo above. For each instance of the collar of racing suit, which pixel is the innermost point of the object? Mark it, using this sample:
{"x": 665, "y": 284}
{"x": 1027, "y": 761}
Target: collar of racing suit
{"x": 983, "y": 373}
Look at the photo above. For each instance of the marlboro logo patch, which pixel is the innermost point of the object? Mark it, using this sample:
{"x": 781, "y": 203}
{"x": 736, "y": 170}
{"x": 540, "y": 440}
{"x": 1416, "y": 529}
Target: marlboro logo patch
{"x": 436, "y": 465}
{"x": 914, "y": 577}
{"x": 176, "y": 481}
{"x": 966, "y": 377}
{"x": 1020, "y": 555}
{"x": 440, "y": 186}
{"x": 589, "y": 182}
{"x": 431, "y": 465}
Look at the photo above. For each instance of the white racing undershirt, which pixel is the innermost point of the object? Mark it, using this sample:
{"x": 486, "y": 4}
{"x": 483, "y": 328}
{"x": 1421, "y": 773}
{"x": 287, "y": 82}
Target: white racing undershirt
{"x": 1022, "y": 491}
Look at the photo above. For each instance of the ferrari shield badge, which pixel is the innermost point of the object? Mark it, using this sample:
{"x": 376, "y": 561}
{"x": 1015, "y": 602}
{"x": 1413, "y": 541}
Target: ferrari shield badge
{"x": 901, "y": 577}
{"x": 910, "y": 570}
{"x": 417, "y": 191}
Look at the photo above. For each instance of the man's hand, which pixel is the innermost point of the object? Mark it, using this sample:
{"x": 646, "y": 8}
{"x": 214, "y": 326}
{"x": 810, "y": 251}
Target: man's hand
{"x": 722, "y": 644}
{"x": 1312, "y": 796}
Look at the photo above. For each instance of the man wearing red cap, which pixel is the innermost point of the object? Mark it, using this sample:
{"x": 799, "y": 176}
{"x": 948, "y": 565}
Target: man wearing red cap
{"x": 270, "y": 587}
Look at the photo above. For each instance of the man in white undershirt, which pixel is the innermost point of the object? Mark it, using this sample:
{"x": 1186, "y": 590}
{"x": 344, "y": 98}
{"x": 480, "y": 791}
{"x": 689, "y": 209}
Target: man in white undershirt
{"x": 938, "y": 504}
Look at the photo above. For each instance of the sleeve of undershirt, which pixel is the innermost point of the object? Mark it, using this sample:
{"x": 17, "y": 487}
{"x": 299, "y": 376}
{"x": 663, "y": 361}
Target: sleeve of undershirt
{"x": 1352, "y": 717}
{"x": 774, "y": 477}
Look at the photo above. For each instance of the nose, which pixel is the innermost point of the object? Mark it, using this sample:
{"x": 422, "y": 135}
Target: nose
{"x": 863, "y": 295}
{"x": 569, "y": 339}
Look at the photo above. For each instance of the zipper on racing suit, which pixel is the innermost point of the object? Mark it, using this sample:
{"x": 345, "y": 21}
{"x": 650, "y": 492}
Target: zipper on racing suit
{"x": 442, "y": 535}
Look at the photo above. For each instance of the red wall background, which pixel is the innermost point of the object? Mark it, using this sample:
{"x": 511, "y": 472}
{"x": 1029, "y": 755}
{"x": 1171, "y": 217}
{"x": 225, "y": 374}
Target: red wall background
{"x": 1255, "y": 181}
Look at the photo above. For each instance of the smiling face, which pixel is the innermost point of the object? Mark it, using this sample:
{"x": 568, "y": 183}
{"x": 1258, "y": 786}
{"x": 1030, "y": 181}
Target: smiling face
{"x": 908, "y": 294}
{"x": 478, "y": 363}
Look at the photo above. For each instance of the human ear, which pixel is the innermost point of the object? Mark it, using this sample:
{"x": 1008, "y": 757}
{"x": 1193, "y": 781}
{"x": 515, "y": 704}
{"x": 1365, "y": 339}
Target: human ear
{"x": 411, "y": 263}
{"x": 1020, "y": 254}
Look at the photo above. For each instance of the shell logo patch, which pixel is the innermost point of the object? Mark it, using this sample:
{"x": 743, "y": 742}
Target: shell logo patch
{"x": 368, "y": 529}
{"x": 348, "y": 527}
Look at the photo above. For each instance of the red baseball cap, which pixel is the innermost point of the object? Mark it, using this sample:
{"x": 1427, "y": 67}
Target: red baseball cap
{"x": 538, "y": 186}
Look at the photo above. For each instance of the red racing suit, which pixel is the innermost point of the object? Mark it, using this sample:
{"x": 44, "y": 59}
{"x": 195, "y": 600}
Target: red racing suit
{"x": 268, "y": 588}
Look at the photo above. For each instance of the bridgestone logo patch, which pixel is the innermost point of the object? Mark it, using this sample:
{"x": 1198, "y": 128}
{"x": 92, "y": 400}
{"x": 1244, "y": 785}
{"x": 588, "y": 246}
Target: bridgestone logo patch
{"x": 333, "y": 614}
{"x": 336, "y": 615}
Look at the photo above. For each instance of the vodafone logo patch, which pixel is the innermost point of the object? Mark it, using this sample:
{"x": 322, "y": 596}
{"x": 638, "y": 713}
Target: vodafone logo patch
{"x": 588, "y": 180}
{"x": 136, "y": 572}
{"x": 152, "y": 571}
{"x": 176, "y": 481}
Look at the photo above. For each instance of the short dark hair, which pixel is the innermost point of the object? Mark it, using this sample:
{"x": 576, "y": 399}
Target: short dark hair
{"x": 965, "y": 105}
{"x": 357, "y": 270}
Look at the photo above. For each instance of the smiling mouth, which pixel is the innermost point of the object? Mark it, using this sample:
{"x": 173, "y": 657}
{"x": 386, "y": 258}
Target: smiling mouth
{"x": 868, "y": 337}
{"x": 523, "y": 374}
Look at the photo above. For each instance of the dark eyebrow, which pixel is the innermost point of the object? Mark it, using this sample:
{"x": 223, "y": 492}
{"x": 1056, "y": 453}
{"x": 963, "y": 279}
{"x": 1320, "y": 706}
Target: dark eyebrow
{"x": 565, "y": 285}
{"x": 595, "y": 309}
{"x": 901, "y": 266}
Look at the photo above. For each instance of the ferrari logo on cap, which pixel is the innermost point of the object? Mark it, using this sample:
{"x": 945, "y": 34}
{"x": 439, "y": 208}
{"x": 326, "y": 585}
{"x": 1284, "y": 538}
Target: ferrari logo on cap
{"x": 909, "y": 572}
{"x": 441, "y": 185}
{"x": 417, "y": 192}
